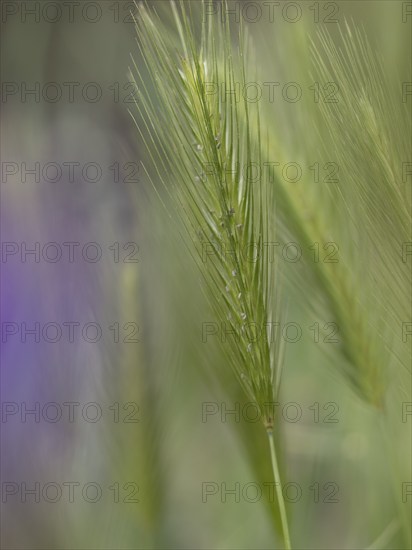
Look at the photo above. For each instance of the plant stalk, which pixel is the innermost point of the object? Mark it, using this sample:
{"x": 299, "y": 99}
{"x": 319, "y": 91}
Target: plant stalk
{"x": 279, "y": 493}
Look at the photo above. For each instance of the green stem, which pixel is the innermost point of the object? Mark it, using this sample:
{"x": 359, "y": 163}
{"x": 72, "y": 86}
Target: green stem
{"x": 283, "y": 517}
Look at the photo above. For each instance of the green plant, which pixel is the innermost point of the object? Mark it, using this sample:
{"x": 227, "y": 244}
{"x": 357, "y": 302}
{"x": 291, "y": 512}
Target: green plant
{"x": 193, "y": 138}
{"x": 196, "y": 135}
